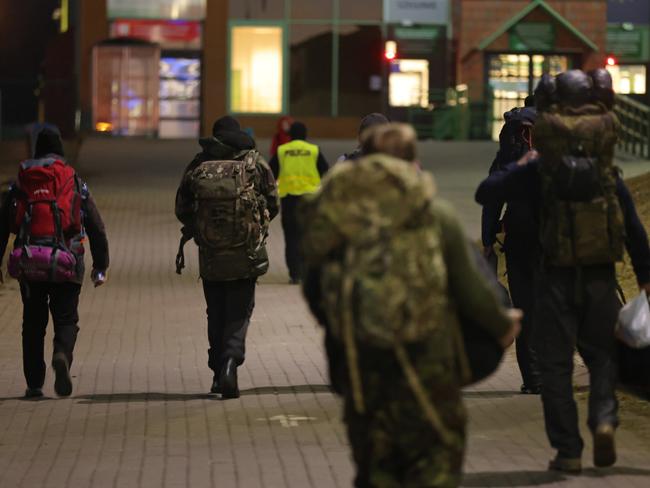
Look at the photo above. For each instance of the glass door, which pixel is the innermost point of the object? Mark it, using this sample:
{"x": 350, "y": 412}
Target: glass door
{"x": 512, "y": 77}
{"x": 180, "y": 96}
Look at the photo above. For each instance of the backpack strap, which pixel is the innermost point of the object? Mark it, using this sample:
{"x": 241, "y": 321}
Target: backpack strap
{"x": 180, "y": 257}
{"x": 421, "y": 395}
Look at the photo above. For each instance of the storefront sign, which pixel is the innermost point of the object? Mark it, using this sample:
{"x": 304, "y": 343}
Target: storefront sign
{"x": 169, "y": 34}
{"x": 159, "y": 9}
{"x": 629, "y": 42}
{"x": 532, "y": 36}
{"x": 418, "y": 40}
{"x": 417, "y": 11}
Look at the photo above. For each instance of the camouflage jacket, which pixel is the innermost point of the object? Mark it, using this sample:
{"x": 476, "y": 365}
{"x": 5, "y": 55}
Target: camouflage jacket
{"x": 323, "y": 240}
{"x": 212, "y": 268}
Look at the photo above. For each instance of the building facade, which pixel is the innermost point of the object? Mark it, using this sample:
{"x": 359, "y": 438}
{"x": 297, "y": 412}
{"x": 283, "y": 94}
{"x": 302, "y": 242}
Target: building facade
{"x": 168, "y": 68}
{"x": 505, "y": 46}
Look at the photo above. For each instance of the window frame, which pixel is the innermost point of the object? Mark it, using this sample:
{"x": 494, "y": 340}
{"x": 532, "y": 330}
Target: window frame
{"x": 234, "y": 23}
{"x": 286, "y": 25}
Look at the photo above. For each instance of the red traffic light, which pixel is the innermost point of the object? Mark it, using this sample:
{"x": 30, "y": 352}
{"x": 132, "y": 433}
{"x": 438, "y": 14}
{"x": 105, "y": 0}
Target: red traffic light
{"x": 611, "y": 61}
{"x": 390, "y": 50}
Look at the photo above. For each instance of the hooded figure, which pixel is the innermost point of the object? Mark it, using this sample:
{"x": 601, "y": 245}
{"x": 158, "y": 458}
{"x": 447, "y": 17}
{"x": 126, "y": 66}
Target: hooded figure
{"x": 228, "y": 268}
{"x": 56, "y": 290}
{"x": 281, "y": 135}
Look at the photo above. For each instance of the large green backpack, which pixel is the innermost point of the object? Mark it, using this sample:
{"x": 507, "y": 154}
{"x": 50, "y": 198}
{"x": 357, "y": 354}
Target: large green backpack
{"x": 230, "y": 218}
{"x": 582, "y": 221}
{"x": 388, "y": 289}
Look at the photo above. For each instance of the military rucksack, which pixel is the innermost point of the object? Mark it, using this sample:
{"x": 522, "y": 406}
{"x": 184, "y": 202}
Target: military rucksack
{"x": 582, "y": 221}
{"x": 388, "y": 289}
{"x": 229, "y": 214}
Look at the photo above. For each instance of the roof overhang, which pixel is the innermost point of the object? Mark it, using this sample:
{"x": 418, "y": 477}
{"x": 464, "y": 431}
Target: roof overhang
{"x": 485, "y": 43}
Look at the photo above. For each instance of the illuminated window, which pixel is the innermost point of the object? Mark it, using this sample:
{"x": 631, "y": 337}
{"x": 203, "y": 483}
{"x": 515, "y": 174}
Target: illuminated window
{"x": 256, "y": 69}
{"x": 629, "y": 79}
{"x": 409, "y": 83}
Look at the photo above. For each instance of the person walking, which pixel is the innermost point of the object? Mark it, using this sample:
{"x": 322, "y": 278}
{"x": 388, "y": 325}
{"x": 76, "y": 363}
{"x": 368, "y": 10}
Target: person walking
{"x": 521, "y": 242}
{"x": 368, "y": 122}
{"x": 51, "y": 211}
{"x": 226, "y": 200}
{"x": 281, "y": 135}
{"x": 298, "y": 168}
{"x": 389, "y": 269}
{"x": 585, "y": 216}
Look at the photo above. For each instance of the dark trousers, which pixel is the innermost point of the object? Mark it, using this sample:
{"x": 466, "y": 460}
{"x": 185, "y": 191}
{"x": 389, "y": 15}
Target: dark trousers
{"x": 292, "y": 235}
{"x": 39, "y": 299}
{"x": 576, "y": 311}
{"x": 521, "y": 281}
{"x": 230, "y": 306}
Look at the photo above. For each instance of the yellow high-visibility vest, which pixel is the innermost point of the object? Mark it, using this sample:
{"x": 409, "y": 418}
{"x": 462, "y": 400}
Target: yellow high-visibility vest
{"x": 298, "y": 168}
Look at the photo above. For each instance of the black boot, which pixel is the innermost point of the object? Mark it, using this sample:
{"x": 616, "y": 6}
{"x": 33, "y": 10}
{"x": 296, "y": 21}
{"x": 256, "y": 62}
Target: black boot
{"x": 62, "y": 381}
{"x": 216, "y": 387}
{"x": 228, "y": 379}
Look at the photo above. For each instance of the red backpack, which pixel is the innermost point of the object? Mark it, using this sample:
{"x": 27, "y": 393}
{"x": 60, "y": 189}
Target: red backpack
{"x": 48, "y": 204}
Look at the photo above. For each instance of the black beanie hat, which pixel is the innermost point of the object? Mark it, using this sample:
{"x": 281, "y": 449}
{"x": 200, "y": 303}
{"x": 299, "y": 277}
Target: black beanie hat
{"x": 225, "y": 124}
{"x": 372, "y": 120}
{"x": 298, "y": 130}
{"x": 48, "y": 141}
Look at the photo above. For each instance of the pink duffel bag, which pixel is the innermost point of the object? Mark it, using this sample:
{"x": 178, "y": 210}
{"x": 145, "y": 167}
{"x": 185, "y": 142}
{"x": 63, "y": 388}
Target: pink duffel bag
{"x": 42, "y": 263}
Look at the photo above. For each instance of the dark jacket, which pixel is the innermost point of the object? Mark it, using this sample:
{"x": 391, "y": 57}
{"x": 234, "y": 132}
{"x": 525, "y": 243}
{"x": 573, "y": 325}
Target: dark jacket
{"x": 93, "y": 227}
{"x": 226, "y": 146}
{"x": 518, "y": 219}
{"x": 523, "y": 183}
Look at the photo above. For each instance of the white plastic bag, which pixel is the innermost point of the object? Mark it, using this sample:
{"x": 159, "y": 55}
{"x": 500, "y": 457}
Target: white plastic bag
{"x": 633, "y": 326}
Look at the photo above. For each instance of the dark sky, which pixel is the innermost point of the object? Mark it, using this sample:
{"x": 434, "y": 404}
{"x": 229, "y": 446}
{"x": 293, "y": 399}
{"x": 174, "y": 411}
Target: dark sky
{"x": 25, "y": 27}
{"x": 637, "y": 11}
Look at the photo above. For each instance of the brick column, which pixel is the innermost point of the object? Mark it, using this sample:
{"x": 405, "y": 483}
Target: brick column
{"x": 93, "y": 28}
{"x": 214, "y": 64}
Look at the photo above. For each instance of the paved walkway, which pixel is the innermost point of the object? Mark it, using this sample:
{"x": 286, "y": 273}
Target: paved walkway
{"x": 139, "y": 415}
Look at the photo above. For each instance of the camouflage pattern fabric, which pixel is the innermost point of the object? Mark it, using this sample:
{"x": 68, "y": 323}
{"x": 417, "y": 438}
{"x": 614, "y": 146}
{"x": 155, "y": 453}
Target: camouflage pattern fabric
{"x": 393, "y": 444}
{"x": 575, "y": 230}
{"x": 237, "y": 249}
{"x": 393, "y": 438}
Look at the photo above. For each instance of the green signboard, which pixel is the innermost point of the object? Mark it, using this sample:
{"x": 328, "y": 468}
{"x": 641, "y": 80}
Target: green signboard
{"x": 532, "y": 36}
{"x": 629, "y": 42}
{"x": 418, "y": 40}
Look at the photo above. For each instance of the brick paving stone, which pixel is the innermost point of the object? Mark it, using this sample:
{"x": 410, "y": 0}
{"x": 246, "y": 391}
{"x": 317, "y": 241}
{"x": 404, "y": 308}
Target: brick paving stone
{"x": 139, "y": 415}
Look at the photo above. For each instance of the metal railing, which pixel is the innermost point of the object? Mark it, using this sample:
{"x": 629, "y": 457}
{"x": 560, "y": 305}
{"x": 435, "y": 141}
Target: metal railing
{"x": 634, "y": 136}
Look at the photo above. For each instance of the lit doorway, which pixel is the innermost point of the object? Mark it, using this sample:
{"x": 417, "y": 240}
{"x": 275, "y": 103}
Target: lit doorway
{"x": 512, "y": 77}
{"x": 408, "y": 83}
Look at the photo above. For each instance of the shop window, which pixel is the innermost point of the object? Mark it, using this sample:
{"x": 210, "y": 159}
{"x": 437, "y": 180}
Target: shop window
{"x": 256, "y": 9}
{"x": 256, "y": 69}
{"x": 160, "y": 9}
{"x": 408, "y": 83}
{"x": 125, "y": 89}
{"x": 360, "y": 70}
{"x": 312, "y": 9}
{"x": 629, "y": 80}
{"x": 311, "y": 70}
{"x": 361, "y": 10}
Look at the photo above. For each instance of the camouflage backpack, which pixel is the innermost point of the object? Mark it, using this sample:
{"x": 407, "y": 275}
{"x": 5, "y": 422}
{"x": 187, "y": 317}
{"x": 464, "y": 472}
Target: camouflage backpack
{"x": 229, "y": 216}
{"x": 389, "y": 287}
{"x": 582, "y": 221}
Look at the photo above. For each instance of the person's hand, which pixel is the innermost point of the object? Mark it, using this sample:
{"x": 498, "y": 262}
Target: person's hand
{"x": 98, "y": 277}
{"x": 528, "y": 157}
{"x": 515, "y": 316}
